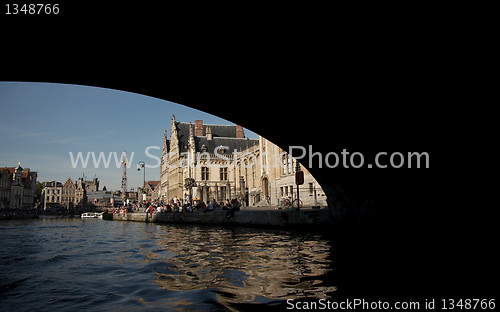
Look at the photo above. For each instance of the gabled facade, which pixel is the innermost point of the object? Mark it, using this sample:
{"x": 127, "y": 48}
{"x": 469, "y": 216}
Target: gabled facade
{"x": 68, "y": 196}
{"x": 17, "y": 188}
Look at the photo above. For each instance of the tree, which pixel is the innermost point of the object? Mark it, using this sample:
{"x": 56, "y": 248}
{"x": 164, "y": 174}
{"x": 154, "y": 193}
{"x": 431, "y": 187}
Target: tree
{"x": 38, "y": 190}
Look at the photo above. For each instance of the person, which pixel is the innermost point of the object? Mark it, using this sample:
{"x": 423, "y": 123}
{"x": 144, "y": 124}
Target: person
{"x": 151, "y": 210}
{"x": 231, "y": 209}
{"x": 203, "y": 207}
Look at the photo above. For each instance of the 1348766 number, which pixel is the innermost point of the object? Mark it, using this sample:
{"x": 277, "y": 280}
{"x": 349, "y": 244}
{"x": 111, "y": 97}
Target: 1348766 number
{"x": 32, "y": 8}
{"x": 468, "y": 304}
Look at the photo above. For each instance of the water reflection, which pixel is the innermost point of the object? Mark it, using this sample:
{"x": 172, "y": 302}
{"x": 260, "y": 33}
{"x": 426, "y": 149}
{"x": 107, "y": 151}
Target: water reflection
{"x": 241, "y": 265}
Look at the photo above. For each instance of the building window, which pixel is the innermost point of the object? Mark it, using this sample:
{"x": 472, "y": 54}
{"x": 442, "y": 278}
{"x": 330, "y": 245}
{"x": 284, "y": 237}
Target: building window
{"x": 311, "y": 187}
{"x": 281, "y": 190}
{"x": 205, "y": 173}
{"x": 284, "y": 159}
{"x": 286, "y": 191}
{"x": 223, "y": 174}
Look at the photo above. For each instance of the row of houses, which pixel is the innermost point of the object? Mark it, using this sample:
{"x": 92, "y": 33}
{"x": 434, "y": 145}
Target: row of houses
{"x": 68, "y": 194}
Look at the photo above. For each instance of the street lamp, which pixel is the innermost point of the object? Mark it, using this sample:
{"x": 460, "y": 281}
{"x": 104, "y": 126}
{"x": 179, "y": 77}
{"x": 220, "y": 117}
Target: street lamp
{"x": 142, "y": 165}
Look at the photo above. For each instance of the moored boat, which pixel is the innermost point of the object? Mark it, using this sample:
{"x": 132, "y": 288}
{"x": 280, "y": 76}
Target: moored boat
{"x": 95, "y": 215}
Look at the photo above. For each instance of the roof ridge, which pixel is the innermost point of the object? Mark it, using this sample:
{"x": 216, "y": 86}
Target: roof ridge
{"x": 187, "y": 123}
{"x": 219, "y": 137}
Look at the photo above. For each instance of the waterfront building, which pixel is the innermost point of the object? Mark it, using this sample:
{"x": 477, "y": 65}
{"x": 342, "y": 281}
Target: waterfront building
{"x": 277, "y": 178}
{"x": 17, "y": 187}
{"x": 52, "y": 195}
{"x": 260, "y": 173}
{"x": 92, "y": 185}
{"x": 103, "y": 200}
{"x": 68, "y": 196}
{"x": 151, "y": 190}
{"x": 195, "y": 163}
{"x": 80, "y": 192}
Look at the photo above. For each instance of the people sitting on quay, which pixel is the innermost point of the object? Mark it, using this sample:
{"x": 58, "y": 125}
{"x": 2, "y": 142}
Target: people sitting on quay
{"x": 188, "y": 206}
{"x": 233, "y": 206}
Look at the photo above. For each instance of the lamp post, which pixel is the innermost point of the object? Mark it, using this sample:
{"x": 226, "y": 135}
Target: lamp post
{"x": 299, "y": 180}
{"x": 142, "y": 165}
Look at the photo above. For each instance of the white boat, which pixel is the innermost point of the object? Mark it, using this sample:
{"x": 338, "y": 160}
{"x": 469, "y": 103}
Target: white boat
{"x": 95, "y": 215}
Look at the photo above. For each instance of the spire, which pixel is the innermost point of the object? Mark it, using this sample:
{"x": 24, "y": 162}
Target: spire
{"x": 124, "y": 174}
{"x": 191, "y": 136}
{"x": 164, "y": 141}
{"x": 173, "y": 130}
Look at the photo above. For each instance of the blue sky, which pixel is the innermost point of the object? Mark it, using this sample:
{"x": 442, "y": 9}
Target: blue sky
{"x": 43, "y": 122}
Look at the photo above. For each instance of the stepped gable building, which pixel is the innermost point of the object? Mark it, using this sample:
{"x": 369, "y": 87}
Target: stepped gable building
{"x": 17, "y": 187}
{"x": 68, "y": 194}
{"x": 151, "y": 190}
{"x": 202, "y": 145}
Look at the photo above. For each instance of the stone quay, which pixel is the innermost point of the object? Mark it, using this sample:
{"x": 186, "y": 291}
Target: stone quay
{"x": 304, "y": 217}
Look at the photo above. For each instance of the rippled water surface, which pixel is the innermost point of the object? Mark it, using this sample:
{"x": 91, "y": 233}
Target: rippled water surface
{"x": 74, "y": 264}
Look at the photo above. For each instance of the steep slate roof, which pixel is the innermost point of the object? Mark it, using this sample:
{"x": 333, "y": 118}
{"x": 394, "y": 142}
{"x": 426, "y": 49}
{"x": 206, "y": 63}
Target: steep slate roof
{"x": 224, "y": 135}
{"x": 223, "y": 131}
{"x": 153, "y": 184}
{"x": 231, "y": 143}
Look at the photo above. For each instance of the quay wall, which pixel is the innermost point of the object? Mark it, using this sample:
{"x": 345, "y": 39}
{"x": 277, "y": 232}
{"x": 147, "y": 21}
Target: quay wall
{"x": 266, "y": 218}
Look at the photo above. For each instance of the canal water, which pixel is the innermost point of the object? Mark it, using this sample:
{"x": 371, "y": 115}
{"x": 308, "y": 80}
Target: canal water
{"x": 97, "y": 265}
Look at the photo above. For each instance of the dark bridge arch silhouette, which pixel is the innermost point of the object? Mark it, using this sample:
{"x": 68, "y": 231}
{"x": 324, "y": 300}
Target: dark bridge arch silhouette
{"x": 405, "y": 231}
{"x": 385, "y": 219}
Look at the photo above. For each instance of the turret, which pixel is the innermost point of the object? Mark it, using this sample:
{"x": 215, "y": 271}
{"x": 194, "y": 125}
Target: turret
{"x": 209, "y": 133}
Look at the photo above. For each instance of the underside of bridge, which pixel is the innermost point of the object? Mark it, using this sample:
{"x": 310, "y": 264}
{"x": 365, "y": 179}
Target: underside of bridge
{"x": 397, "y": 231}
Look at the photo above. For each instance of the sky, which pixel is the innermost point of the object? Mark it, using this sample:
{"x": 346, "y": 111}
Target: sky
{"x": 42, "y": 123}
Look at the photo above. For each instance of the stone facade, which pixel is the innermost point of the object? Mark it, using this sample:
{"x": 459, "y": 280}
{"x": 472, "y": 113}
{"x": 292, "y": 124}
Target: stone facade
{"x": 17, "y": 188}
{"x": 278, "y": 178}
{"x": 92, "y": 185}
{"x": 68, "y": 195}
{"x": 256, "y": 171}
{"x": 80, "y": 192}
{"x": 52, "y": 194}
{"x": 195, "y": 153}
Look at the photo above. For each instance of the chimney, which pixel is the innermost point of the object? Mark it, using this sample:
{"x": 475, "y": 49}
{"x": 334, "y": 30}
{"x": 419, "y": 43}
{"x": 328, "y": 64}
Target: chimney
{"x": 239, "y": 132}
{"x": 198, "y": 127}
